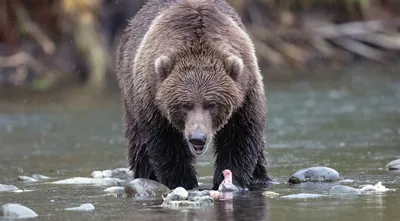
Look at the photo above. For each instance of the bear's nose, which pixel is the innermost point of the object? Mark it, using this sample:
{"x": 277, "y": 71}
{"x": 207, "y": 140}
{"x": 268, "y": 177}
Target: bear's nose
{"x": 197, "y": 138}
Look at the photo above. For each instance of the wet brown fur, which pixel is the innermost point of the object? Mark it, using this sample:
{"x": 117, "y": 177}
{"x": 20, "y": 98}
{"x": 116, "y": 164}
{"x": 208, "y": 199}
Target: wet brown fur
{"x": 199, "y": 39}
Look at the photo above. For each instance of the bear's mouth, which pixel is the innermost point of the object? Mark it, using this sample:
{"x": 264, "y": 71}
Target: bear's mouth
{"x": 197, "y": 149}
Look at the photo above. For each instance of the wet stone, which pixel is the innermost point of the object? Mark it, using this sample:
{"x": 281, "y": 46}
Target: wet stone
{"x": 197, "y": 193}
{"x": 181, "y": 198}
{"x": 177, "y": 194}
{"x": 314, "y": 174}
{"x": 40, "y": 177}
{"x": 270, "y": 194}
{"x": 115, "y": 190}
{"x": 377, "y": 188}
{"x": 16, "y": 211}
{"x": 90, "y": 181}
{"x": 82, "y": 208}
{"x": 303, "y": 196}
{"x": 145, "y": 188}
{"x": 393, "y": 165}
{"x": 7, "y": 188}
{"x": 119, "y": 173}
{"x": 26, "y": 179}
{"x": 343, "y": 190}
{"x": 196, "y": 202}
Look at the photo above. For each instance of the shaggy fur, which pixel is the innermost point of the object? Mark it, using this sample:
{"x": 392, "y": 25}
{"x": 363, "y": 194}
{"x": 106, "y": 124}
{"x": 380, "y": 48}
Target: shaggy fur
{"x": 181, "y": 55}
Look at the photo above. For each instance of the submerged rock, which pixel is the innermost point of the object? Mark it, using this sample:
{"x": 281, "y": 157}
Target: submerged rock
{"x": 145, "y": 188}
{"x": 27, "y": 179}
{"x": 115, "y": 190}
{"x": 120, "y": 173}
{"x": 197, "y": 193}
{"x": 377, "y": 188}
{"x": 196, "y": 202}
{"x": 13, "y": 210}
{"x": 90, "y": 181}
{"x": 270, "y": 194}
{"x": 343, "y": 190}
{"x": 82, "y": 208}
{"x": 177, "y": 194}
{"x": 314, "y": 174}
{"x": 180, "y": 198}
{"x": 8, "y": 188}
{"x": 393, "y": 165}
{"x": 302, "y": 196}
{"x": 40, "y": 177}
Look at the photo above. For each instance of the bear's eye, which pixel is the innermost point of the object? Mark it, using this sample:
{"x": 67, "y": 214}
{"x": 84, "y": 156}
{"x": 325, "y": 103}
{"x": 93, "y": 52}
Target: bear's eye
{"x": 186, "y": 106}
{"x": 210, "y": 105}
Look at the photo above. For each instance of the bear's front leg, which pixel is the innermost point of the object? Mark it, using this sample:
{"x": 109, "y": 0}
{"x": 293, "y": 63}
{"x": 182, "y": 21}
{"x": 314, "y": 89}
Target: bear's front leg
{"x": 240, "y": 147}
{"x": 260, "y": 175}
{"x": 172, "y": 161}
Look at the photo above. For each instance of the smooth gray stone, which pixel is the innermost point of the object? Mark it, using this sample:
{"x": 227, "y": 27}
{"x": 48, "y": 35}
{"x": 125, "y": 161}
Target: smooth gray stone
{"x": 196, "y": 202}
{"x": 7, "y": 188}
{"x": 120, "y": 173}
{"x": 314, "y": 174}
{"x": 81, "y": 208}
{"x": 393, "y": 165}
{"x": 343, "y": 190}
{"x": 90, "y": 181}
{"x": 13, "y": 210}
{"x": 303, "y": 196}
{"x": 177, "y": 194}
{"x": 145, "y": 188}
{"x": 40, "y": 177}
{"x": 26, "y": 179}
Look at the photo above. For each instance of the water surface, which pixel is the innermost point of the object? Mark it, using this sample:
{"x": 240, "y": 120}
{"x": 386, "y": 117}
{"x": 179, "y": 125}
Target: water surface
{"x": 350, "y": 123}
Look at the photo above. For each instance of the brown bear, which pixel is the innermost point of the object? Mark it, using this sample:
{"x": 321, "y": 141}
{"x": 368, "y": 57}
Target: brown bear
{"x": 189, "y": 80}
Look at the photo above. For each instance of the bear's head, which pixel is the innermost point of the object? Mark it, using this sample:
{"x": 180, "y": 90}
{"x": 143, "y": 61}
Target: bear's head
{"x": 198, "y": 94}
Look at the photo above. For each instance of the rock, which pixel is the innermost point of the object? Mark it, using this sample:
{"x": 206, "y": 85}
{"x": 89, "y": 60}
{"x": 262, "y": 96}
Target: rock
{"x": 13, "y": 210}
{"x": 144, "y": 188}
{"x": 270, "y": 194}
{"x": 377, "y": 188}
{"x": 90, "y": 181}
{"x": 393, "y": 165}
{"x": 22, "y": 191}
{"x": 177, "y": 194}
{"x": 197, "y": 193}
{"x": 314, "y": 174}
{"x": 8, "y": 188}
{"x": 120, "y": 173}
{"x": 82, "y": 208}
{"x": 26, "y": 179}
{"x": 117, "y": 190}
{"x": 343, "y": 190}
{"x": 346, "y": 181}
{"x": 302, "y": 196}
{"x": 201, "y": 201}
{"x": 179, "y": 198}
{"x": 97, "y": 174}
{"x": 40, "y": 177}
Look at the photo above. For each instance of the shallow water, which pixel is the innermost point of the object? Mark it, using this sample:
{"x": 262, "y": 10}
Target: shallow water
{"x": 349, "y": 123}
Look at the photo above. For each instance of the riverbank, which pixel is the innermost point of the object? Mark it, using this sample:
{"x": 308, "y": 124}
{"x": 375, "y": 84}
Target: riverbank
{"x": 74, "y": 42}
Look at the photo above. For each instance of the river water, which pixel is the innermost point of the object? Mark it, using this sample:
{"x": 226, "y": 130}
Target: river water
{"x": 350, "y": 122}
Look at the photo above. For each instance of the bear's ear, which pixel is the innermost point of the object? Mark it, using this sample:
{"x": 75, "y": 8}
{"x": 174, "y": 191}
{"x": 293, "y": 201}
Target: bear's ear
{"x": 163, "y": 66}
{"x": 234, "y": 66}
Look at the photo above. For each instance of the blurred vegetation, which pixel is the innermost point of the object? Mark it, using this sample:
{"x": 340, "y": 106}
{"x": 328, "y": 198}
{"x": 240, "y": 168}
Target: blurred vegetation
{"x": 47, "y": 43}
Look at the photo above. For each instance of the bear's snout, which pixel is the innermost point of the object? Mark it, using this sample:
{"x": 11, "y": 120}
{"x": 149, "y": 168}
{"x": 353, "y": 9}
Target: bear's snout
{"x": 198, "y": 141}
